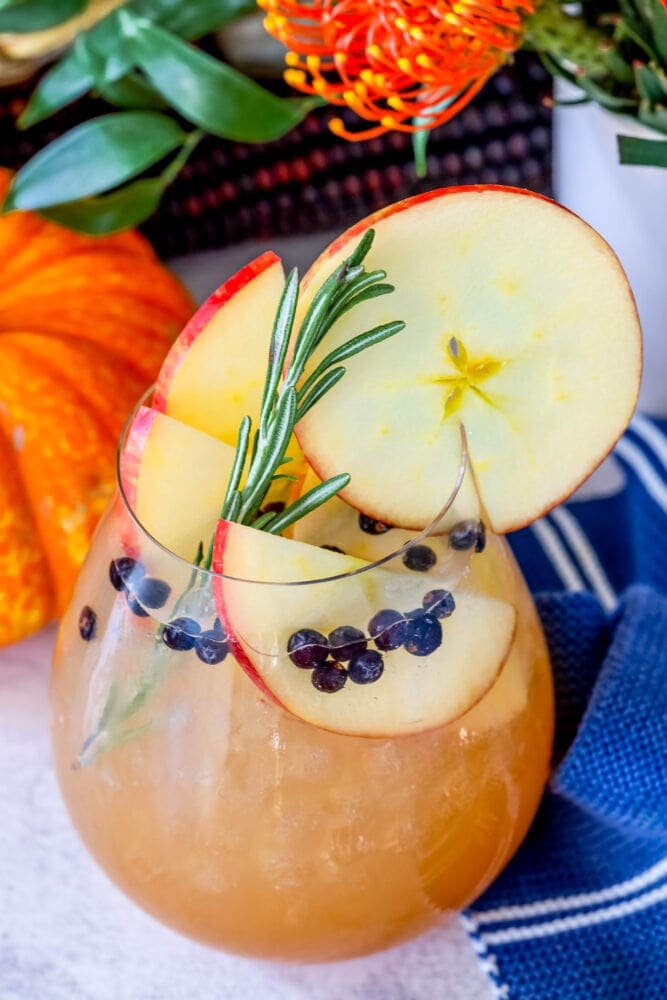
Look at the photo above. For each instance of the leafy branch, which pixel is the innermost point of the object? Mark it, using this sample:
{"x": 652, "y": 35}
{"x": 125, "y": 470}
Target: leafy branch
{"x": 615, "y": 53}
{"x": 139, "y": 59}
{"x": 287, "y": 396}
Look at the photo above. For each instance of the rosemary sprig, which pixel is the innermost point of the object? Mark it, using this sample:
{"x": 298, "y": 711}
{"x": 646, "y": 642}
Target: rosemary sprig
{"x": 286, "y": 398}
{"x": 109, "y": 731}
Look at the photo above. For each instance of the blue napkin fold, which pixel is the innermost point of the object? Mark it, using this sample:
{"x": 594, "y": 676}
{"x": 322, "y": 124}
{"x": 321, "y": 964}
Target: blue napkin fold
{"x": 581, "y": 911}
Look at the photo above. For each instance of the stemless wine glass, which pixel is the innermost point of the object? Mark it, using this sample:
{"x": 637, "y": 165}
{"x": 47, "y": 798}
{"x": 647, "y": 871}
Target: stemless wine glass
{"x": 248, "y": 828}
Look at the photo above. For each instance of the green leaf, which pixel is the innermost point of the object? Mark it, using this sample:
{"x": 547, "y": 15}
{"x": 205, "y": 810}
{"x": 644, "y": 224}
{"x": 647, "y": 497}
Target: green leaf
{"x": 97, "y": 59}
{"x": 93, "y": 157}
{"x": 359, "y": 285}
{"x": 262, "y": 522}
{"x": 361, "y": 249}
{"x": 655, "y": 17}
{"x": 194, "y": 18}
{"x": 628, "y": 29}
{"x": 280, "y": 337}
{"x": 327, "y": 382}
{"x": 651, "y": 83}
{"x": 100, "y": 54}
{"x": 37, "y": 15}
{"x": 257, "y": 485}
{"x": 237, "y": 467}
{"x": 104, "y": 49}
{"x": 64, "y": 83}
{"x": 618, "y": 67}
{"x": 352, "y": 347}
{"x": 554, "y": 67}
{"x": 309, "y": 501}
{"x": 603, "y": 97}
{"x": 313, "y": 327}
{"x": 642, "y": 152}
{"x": 128, "y": 206}
{"x": 207, "y": 92}
{"x": 109, "y": 213}
{"x": 350, "y": 301}
{"x": 655, "y": 117}
{"x": 234, "y": 509}
{"x": 131, "y": 91}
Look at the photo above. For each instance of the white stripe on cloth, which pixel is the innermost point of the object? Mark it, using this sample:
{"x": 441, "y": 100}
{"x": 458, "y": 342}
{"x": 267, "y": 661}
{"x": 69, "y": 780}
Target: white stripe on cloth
{"x": 651, "y": 436}
{"x": 578, "y": 920}
{"x": 560, "y": 904}
{"x": 486, "y": 959}
{"x": 586, "y": 558}
{"x": 637, "y": 461}
{"x": 557, "y": 555}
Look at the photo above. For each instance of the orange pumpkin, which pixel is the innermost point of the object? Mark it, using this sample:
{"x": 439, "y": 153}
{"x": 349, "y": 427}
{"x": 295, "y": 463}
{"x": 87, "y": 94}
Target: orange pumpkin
{"x": 84, "y": 325}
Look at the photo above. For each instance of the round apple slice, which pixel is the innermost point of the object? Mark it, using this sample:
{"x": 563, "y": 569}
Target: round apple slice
{"x": 275, "y": 587}
{"x": 520, "y": 325}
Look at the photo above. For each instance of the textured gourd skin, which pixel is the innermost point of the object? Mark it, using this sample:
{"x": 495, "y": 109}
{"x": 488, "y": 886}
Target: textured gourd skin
{"x": 84, "y": 325}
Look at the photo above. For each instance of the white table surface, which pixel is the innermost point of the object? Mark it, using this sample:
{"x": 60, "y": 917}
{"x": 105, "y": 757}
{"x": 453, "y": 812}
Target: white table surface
{"x": 66, "y": 933}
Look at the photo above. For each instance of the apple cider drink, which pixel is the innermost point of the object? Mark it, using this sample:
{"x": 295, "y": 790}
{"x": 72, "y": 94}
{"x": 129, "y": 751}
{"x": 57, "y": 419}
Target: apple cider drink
{"x": 301, "y": 699}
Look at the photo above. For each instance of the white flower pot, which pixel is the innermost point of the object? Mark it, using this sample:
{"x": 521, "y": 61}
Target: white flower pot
{"x": 628, "y": 206}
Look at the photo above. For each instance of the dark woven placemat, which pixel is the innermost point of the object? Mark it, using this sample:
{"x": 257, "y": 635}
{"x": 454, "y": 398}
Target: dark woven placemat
{"x": 310, "y": 180}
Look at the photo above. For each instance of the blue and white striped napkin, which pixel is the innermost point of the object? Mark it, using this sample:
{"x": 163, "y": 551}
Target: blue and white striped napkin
{"x": 581, "y": 912}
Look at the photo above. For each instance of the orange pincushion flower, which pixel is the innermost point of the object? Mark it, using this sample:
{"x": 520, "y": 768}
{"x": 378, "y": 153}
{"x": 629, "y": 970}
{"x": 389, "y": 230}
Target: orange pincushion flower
{"x": 395, "y": 60}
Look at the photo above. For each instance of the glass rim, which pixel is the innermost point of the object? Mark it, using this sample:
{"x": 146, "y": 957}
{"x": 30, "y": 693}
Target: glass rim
{"x": 427, "y": 532}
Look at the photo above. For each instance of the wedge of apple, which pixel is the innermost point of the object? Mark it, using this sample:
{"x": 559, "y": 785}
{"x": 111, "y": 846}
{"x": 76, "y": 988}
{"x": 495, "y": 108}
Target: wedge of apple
{"x": 520, "y": 324}
{"x": 266, "y": 597}
{"x": 214, "y": 372}
{"x": 174, "y": 478}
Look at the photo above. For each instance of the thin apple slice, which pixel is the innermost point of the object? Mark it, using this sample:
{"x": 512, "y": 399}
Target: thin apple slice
{"x": 520, "y": 325}
{"x": 263, "y": 606}
{"x": 174, "y": 478}
{"x": 214, "y": 373}
{"x": 213, "y": 376}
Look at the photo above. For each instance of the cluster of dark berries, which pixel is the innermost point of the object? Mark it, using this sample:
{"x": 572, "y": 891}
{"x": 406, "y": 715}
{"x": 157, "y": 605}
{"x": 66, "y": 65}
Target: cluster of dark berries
{"x": 468, "y": 535}
{"x": 183, "y": 634}
{"x": 325, "y": 656}
{"x": 129, "y": 577}
{"x": 418, "y": 631}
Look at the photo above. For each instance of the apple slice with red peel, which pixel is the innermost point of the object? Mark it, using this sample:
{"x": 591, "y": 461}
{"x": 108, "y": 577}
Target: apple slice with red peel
{"x": 174, "y": 479}
{"x": 270, "y": 599}
{"x": 520, "y": 325}
{"x": 214, "y": 372}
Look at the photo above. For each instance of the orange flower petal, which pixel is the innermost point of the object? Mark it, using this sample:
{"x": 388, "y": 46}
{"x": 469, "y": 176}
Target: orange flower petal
{"x": 446, "y": 48}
